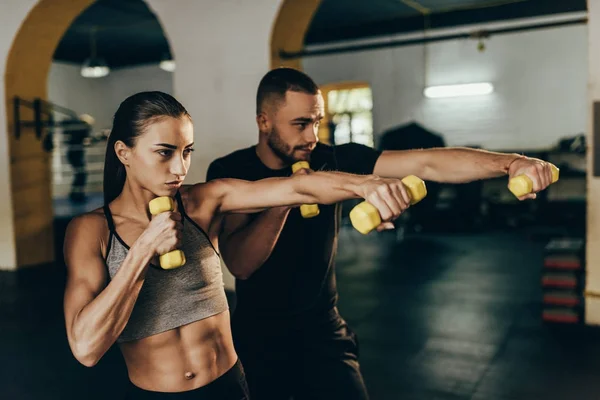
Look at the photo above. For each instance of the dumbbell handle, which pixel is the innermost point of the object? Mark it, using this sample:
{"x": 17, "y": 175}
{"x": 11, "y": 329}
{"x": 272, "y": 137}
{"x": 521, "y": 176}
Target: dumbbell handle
{"x": 522, "y": 184}
{"x": 175, "y": 258}
{"x": 307, "y": 210}
{"x": 365, "y": 216}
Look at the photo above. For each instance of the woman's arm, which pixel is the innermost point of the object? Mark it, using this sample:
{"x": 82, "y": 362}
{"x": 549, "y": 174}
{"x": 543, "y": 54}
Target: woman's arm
{"x": 389, "y": 196}
{"x": 97, "y": 313}
{"x": 317, "y": 188}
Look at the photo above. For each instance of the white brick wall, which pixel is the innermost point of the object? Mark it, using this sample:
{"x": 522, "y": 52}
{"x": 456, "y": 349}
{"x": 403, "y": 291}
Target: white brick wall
{"x": 540, "y": 80}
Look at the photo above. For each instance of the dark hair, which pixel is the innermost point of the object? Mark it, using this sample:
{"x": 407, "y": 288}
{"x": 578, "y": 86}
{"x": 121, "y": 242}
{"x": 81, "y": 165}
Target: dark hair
{"x": 277, "y": 82}
{"x": 134, "y": 115}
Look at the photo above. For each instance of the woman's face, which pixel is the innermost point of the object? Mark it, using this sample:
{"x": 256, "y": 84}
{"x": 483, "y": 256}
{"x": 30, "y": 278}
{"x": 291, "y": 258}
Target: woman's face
{"x": 161, "y": 157}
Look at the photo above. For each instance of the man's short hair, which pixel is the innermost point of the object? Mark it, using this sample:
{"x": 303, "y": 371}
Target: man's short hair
{"x": 274, "y": 85}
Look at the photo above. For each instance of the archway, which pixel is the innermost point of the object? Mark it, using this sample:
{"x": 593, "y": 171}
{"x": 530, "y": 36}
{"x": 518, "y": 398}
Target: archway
{"x": 27, "y": 69}
{"x": 26, "y": 77}
{"x": 289, "y": 29}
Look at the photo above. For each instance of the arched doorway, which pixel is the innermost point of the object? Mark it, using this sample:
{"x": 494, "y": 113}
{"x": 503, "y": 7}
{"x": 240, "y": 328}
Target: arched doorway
{"x": 26, "y": 78}
{"x": 289, "y": 29}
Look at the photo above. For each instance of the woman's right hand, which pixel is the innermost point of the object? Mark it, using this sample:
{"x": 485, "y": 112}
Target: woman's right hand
{"x": 165, "y": 232}
{"x": 388, "y": 195}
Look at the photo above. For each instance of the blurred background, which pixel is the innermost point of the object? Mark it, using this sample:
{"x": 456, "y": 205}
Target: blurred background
{"x": 474, "y": 295}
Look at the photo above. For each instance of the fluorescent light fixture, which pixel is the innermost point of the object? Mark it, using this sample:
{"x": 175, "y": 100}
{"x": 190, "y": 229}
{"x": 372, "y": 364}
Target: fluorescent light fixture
{"x": 469, "y": 89}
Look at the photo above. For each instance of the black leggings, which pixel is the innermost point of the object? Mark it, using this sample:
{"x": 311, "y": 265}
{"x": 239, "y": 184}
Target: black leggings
{"x": 230, "y": 386}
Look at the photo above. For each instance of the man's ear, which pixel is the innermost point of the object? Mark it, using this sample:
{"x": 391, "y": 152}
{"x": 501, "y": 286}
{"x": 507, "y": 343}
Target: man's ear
{"x": 123, "y": 152}
{"x": 263, "y": 122}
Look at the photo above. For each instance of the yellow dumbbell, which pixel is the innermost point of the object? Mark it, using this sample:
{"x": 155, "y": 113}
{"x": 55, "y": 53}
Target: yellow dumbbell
{"x": 365, "y": 217}
{"x": 307, "y": 210}
{"x": 522, "y": 184}
{"x": 175, "y": 258}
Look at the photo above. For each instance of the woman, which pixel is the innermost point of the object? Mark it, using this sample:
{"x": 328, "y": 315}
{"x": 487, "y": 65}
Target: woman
{"x": 172, "y": 326}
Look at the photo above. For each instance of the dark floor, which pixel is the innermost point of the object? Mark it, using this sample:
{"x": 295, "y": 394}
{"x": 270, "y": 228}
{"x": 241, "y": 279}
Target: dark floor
{"x": 458, "y": 317}
{"x": 438, "y": 317}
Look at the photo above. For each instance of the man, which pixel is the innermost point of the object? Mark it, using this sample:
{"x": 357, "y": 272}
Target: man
{"x": 287, "y": 330}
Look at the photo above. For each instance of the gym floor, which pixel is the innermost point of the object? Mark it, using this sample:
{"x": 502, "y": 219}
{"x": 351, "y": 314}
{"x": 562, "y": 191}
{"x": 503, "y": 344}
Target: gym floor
{"x": 437, "y": 316}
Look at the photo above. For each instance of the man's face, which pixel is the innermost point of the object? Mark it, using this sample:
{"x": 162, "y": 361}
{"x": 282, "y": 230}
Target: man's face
{"x": 294, "y": 125}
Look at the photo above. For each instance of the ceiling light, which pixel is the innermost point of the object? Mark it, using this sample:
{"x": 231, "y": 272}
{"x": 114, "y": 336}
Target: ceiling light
{"x": 469, "y": 89}
{"x": 167, "y": 63}
{"x": 94, "y": 68}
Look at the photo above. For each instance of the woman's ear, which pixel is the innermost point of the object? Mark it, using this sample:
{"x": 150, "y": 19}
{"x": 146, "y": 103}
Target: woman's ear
{"x": 123, "y": 152}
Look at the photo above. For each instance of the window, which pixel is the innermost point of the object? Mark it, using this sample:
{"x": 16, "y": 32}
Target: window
{"x": 349, "y": 114}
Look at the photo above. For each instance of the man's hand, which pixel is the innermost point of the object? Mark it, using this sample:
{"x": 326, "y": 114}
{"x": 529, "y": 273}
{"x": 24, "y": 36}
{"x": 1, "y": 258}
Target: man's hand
{"x": 538, "y": 171}
{"x": 389, "y": 196}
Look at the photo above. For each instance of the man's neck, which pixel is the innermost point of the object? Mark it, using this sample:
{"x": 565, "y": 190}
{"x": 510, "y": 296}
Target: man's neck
{"x": 268, "y": 157}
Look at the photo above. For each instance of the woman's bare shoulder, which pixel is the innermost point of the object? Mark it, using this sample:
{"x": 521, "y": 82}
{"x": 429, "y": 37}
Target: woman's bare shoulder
{"x": 92, "y": 220}
{"x": 90, "y": 227}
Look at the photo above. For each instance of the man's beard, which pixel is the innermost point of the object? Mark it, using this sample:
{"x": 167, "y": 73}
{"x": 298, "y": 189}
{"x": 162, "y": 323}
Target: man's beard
{"x": 283, "y": 150}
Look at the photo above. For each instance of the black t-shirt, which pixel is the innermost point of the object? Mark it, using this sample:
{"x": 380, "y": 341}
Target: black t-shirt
{"x": 299, "y": 276}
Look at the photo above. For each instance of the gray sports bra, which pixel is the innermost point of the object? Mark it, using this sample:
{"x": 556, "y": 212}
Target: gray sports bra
{"x": 172, "y": 298}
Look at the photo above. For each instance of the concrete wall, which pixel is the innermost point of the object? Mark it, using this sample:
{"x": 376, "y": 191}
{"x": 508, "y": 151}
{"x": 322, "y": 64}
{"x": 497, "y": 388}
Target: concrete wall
{"x": 540, "y": 80}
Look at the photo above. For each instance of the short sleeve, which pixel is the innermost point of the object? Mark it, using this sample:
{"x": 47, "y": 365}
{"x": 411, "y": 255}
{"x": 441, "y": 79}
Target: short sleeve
{"x": 356, "y": 158}
{"x": 216, "y": 170}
